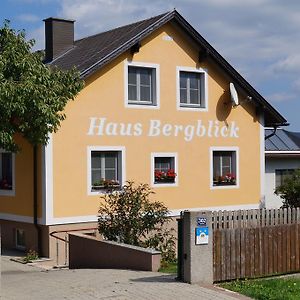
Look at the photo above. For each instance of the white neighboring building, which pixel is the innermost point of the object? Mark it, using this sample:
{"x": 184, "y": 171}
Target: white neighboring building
{"x": 282, "y": 157}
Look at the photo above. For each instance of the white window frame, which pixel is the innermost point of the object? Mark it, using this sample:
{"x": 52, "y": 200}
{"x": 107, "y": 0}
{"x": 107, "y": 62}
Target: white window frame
{"x": 164, "y": 154}
{"x": 18, "y": 246}
{"x": 282, "y": 169}
{"x": 156, "y": 67}
{"x": 237, "y": 175}
{"x": 205, "y": 85}
{"x": 120, "y": 149}
{"x": 11, "y": 192}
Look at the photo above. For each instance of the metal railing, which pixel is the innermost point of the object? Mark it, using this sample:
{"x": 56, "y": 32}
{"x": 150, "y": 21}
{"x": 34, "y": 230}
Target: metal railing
{"x": 65, "y": 241}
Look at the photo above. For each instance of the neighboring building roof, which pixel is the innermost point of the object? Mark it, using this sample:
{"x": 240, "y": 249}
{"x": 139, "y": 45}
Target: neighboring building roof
{"x": 91, "y": 53}
{"x": 282, "y": 140}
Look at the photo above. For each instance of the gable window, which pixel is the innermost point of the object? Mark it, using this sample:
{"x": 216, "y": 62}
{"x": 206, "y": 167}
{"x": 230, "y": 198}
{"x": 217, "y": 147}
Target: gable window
{"x": 6, "y": 173}
{"x": 224, "y": 168}
{"x": 164, "y": 169}
{"x": 281, "y": 175}
{"x": 192, "y": 89}
{"x": 142, "y": 85}
{"x": 105, "y": 168}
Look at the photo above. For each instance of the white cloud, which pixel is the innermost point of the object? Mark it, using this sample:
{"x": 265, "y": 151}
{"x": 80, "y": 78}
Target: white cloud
{"x": 280, "y": 97}
{"x": 94, "y": 16}
{"x": 28, "y": 18}
{"x": 296, "y": 86}
{"x": 288, "y": 64}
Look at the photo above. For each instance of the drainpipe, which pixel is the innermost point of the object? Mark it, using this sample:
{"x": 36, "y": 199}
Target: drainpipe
{"x": 272, "y": 133}
{"x": 35, "y": 201}
{"x": 275, "y": 129}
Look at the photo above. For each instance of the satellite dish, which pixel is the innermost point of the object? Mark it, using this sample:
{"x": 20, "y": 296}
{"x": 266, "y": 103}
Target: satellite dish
{"x": 234, "y": 95}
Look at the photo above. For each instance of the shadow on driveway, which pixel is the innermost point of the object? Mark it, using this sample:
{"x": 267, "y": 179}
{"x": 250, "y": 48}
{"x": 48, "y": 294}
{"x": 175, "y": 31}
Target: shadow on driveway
{"x": 162, "y": 278}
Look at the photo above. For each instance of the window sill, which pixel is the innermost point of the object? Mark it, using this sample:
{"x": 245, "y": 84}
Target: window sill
{"x": 7, "y": 192}
{"x": 191, "y": 108}
{"x": 103, "y": 187}
{"x": 164, "y": 184}
{"x": 101, "y": 190}
{"x": 225, "y": 185}
{"x": 141, "y": 105}
{"x": 169, "y": 181}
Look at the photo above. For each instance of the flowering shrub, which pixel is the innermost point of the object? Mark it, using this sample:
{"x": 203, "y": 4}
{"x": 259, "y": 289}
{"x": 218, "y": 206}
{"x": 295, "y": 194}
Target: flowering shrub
{"x": 168, "y": 176}
{"x": 130, "y": 216}
{"x": 30, "y": 256}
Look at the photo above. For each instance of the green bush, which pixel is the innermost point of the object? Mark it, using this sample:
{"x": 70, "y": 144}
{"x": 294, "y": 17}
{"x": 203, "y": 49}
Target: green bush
{"x": 289, "y": 191}
{"x": 129, "y": 216}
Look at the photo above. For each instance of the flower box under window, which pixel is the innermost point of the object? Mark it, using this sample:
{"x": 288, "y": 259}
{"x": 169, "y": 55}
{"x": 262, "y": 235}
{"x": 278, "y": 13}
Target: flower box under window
{"x": 164, "y": 177}
{"x": 105, "y": 184}
{"x": 228, "y": 179}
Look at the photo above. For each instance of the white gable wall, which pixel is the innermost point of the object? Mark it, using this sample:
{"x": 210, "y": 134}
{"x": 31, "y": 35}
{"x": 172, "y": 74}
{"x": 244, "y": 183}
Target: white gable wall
{"x": 272, "y": 164}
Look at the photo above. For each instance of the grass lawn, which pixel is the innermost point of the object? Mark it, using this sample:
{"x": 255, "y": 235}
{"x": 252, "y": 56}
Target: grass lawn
{"x": 267, "y": 289}
{"x": 170, "y": 268}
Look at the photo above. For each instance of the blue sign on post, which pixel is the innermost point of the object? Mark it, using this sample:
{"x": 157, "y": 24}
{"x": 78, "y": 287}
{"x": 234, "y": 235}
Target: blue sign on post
{"x": 201, "y": 235}
{"x": 201, "y": 221}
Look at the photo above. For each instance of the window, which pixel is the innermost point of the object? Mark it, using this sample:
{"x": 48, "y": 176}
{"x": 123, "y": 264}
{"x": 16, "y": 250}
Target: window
{"x": 281, "y": 175}
{"x": 141, "y": 85}
{"x": 192, "y": 89}
{"x": 164, "y": 169}
{"x": 224, "y": 168}
{"x": 6, "y": 172}
{"x": 20, "y": 239}
{"x": 105, "y": 171}
{"x": 105, "y": 168}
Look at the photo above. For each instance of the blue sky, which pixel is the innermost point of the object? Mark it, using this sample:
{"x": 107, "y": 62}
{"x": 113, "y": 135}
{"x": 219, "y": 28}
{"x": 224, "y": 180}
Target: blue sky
{"x": 260, "y": 38}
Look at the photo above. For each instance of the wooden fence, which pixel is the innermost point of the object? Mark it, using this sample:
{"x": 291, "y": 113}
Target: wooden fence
{"x": 254, "y": 217}
{"x": 255, "y": 243}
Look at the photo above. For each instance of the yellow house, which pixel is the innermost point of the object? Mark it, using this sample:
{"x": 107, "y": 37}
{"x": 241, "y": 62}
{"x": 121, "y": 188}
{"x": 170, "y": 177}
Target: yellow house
{"x": 160, "y": 106}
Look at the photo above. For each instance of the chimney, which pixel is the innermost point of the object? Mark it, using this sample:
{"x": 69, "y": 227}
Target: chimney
{"x": 59, "y": 37}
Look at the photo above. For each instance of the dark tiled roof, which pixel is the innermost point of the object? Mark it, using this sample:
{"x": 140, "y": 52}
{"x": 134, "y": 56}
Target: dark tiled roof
{"x": 282, "y": 140}
{"x": 92, "y": 53}
{"x": 91, "y": 50}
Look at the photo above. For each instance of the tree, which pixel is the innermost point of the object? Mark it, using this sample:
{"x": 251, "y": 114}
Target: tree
{"x": 289, "y": 191}
{"x": 128, "y": 216}
{"x": 32, "y": 97}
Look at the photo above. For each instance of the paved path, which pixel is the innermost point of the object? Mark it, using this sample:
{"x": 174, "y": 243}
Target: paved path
{"x": 24, "y": 282}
